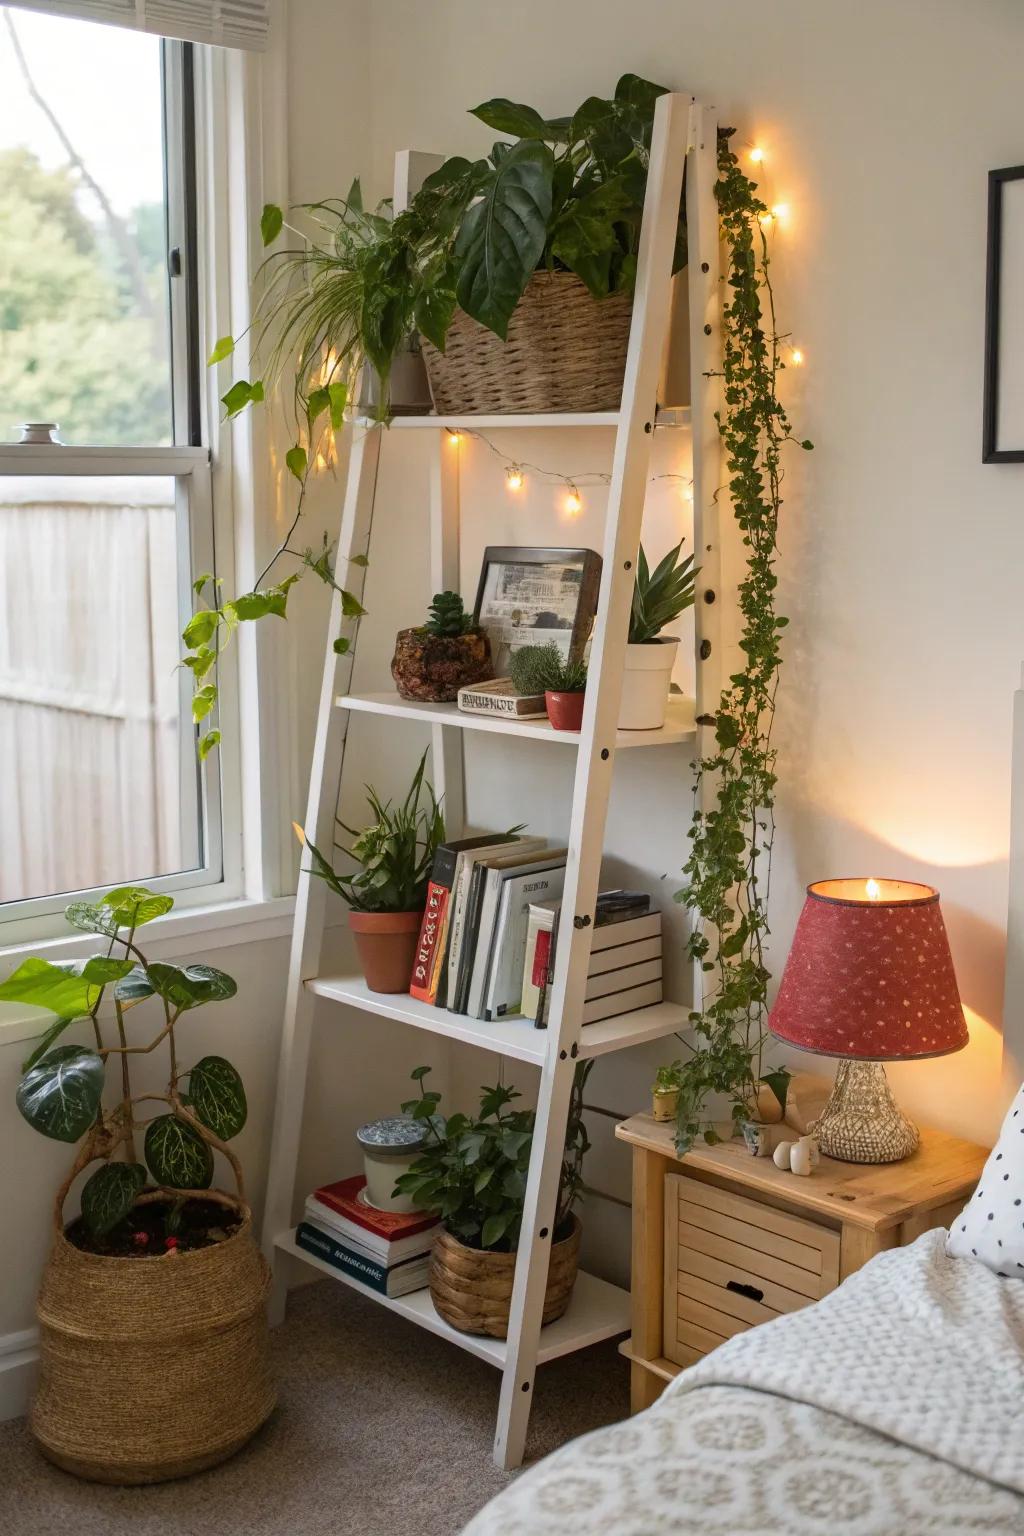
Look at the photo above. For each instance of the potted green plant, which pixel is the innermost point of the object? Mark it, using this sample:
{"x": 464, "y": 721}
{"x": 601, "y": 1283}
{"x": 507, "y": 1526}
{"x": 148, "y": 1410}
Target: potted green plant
{"x": 153, "y": 1334}
{"x": 659, "y": 597}
{"x": 561, "y": 679}
{"x": 387, "y": 891}
{"x": 665, "y": 1093}
{"x": 472, "y": 1173}
{"x": 434, "y": 660}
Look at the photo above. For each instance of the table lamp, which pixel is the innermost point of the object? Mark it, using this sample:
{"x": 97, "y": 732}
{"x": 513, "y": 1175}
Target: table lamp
{"x": 869, "y": 979}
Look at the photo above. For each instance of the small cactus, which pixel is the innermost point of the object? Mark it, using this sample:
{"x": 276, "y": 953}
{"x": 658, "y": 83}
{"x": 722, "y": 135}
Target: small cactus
{"x": 447, "y": 616}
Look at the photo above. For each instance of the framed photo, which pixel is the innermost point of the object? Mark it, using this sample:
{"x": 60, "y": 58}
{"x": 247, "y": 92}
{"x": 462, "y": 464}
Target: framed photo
{"x": 532, "y": 596}
{"x": 1003, "y": 430}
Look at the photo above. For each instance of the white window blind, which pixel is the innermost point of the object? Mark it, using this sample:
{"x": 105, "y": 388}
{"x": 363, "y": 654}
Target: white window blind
{"x": 227, "y": 23}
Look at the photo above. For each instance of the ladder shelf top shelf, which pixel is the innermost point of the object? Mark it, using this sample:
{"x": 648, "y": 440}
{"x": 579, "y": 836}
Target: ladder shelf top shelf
{"x": 673, "y": 416}
{"x": 513, "y": 1037}
{"x": 679, "y": 721}
{"x": 598, "y": 1310}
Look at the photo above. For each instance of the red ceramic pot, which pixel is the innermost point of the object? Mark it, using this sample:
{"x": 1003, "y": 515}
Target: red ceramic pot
{"x": 565, "y": 710}
{"x": 386, "y": 945}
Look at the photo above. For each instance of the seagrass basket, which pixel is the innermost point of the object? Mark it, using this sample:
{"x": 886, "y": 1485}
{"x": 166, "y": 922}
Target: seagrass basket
{"x": 151, "y": 1368}
{"x": 566, "y": 351}
{"x": 472, "y": 1290}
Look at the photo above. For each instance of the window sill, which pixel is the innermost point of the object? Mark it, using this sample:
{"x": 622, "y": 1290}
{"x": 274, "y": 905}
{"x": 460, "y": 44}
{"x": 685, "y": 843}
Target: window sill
{"x": 196, "y": 929}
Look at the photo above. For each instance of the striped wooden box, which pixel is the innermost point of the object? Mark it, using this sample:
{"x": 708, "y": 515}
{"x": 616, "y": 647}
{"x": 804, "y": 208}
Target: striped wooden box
{"x": 731, "y": 1263}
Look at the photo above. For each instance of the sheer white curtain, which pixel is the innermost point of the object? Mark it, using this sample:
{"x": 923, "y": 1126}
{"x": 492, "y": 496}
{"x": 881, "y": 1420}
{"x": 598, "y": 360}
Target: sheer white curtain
{"x": 89, "y": 692}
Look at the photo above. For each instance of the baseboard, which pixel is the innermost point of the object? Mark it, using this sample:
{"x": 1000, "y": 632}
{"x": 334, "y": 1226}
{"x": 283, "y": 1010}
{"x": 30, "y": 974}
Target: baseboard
{"x": 19, "y": 1359}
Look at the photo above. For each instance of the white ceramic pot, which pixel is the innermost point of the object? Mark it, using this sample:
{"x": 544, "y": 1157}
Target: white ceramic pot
{"x": 645, "y": 684}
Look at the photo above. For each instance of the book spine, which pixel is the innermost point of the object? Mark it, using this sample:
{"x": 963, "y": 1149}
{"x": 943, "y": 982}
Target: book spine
{"x": 327, "y": 1248}
{"x": 470, "y": 934}
{"x": 432, "y": 942}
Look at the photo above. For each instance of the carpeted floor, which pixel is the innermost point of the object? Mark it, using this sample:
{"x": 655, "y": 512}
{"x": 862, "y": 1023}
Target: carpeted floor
{"x": 381, "y": 1430}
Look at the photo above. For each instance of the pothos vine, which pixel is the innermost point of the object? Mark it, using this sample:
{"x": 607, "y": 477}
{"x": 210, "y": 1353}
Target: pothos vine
{"x": 729, "y": 867}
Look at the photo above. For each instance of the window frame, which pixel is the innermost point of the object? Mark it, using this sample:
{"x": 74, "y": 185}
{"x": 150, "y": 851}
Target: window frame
{"x": 204, "y": 534}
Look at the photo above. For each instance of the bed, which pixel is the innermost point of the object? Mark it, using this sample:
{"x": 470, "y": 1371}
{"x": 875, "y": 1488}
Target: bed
{"x": 893, "y": 1407}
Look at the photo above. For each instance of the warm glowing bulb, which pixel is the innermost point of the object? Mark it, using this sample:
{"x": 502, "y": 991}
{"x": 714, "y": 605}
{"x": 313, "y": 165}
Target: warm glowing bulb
{"x": 573, "y": 504}
{"x": 686, "y": 489}
{"x": 757, "y": 155}
{"x": 514, "y": 478}
{"x": 796, "y": 357}
{"x": 766, "y": 219}
{"x": 455, "y": 438}
{"x": 780, "y": 210}
{"x": 873, "y": 889}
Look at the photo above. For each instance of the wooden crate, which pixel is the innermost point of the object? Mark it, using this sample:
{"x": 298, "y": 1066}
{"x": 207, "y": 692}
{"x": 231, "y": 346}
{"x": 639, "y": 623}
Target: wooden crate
{"x": 732, "y": 1262}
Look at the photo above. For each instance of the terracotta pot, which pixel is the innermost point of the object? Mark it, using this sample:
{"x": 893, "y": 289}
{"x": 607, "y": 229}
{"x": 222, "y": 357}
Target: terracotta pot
{"x": 151, "y": 1368}
{"x": 386, "y": 946}
{"x": 565, "y": 710}
{"x": 472, "y": 1289}
{"x": 431, "y": 669}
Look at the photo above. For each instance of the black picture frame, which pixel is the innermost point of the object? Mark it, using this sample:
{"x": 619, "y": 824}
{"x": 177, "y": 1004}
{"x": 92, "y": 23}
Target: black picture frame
{"x": 991, "y": 452}
{"x": 588, "y": 563}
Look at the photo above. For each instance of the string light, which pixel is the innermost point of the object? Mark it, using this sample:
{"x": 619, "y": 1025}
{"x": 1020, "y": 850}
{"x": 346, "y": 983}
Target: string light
{"x": 455, "y": 438}
{"x": 757, "y": 155}
{"x": 765, "y": 219}
{"x": 796, "y": 357}
{"x": 573, "y": 501}
{"x": 780, "y": 211}
{"x": 514, "y": 477}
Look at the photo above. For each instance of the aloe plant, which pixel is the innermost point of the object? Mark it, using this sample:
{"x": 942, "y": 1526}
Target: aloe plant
{"x": 63, "y": 1087}
{"x": 661, "y": 595}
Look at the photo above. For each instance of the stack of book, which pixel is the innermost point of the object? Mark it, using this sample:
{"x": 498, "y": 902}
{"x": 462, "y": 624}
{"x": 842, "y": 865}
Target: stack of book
{"x": 388, "y": 1251}
{"x": 472, "y": 943}
{"x": 625, "y": 957}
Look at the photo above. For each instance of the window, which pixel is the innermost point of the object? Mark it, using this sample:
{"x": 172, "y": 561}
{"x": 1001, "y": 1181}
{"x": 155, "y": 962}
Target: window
{"x": 102, "y": 531}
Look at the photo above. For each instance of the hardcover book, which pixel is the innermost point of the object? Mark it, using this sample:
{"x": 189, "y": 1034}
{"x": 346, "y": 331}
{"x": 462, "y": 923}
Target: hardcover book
{"x": 433, "y": 940}
{"x": 499, "y": 697}
{"x": 399, "y": 1280}
{"x": 343, "y": 1198}
{"x": 384, "y": 1250}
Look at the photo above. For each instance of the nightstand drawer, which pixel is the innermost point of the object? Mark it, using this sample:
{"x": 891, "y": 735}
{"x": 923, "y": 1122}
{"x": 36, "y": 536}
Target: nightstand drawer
{"x": 732, "y": 1262}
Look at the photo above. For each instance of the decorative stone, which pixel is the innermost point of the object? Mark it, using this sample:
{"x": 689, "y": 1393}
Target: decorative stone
{"x": 781, "y": 1155}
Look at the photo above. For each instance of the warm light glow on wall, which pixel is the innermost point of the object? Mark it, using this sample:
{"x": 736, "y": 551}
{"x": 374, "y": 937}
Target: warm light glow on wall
{"x": 756, "y": 155}
{"x": 796, "y": 357}
{"x": 514, "y": 477}
{"x": 573, "y": 503}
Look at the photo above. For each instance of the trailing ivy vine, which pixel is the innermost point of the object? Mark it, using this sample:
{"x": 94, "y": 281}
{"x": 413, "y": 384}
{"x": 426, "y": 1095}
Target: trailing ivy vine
{"x": 729, "y": 867}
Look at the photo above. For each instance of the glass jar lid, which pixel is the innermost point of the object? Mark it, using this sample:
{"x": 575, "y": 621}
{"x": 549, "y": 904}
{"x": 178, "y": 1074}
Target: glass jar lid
{"x": 394, "y": 1136}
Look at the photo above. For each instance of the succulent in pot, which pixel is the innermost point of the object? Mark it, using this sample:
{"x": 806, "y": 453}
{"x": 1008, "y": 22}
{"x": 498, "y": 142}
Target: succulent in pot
{"x": 472, "y": 1173}
{"x": 561, "y": 679}
{"x": 434, "y": 660}
{"x": 659, "y": 597}
{"x": 387, "y": 891}
{"x": 155, "y": 1295}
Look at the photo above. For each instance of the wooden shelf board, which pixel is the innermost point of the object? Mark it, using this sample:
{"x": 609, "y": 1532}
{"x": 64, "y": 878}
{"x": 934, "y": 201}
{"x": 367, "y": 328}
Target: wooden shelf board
{"x": 496, "y": 423}
{"x": 666, "y": 1370}
{"x": 597, "y": 1311}
{"x": 876, "y": 1196}
{"x": 516, "y": 1037}
{"x": 679, "y": 721}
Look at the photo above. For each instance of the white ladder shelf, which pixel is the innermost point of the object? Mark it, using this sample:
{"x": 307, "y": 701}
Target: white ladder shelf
{"x": 685, "y": 137}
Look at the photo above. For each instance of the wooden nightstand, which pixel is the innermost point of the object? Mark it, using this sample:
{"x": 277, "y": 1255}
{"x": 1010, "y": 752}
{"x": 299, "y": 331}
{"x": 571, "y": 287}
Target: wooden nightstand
{"x": 723, "y": 1241}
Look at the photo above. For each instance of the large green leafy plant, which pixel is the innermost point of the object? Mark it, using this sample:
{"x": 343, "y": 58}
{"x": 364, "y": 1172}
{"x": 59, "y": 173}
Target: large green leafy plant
{"x": 63, "y": 1088}
{"x": 473, "y": 1170}
{"x": 729, "y": 866}
{"x": 393, "y": 855}
{"x": 661, "y": 595}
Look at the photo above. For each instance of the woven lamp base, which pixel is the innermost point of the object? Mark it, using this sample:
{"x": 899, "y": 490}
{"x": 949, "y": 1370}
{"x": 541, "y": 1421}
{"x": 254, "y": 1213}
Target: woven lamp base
{"x": 862, "y": 1123}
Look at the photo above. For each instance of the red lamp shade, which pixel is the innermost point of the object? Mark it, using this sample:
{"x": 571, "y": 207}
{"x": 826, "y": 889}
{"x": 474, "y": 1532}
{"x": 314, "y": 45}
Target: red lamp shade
{"x": 870, "y": 976}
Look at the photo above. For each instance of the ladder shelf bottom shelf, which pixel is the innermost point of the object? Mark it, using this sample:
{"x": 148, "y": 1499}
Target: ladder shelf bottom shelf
{"x": 513, "y": 1037}
{"x": 679, "y": 724}
{"x": 597, "y": 1311}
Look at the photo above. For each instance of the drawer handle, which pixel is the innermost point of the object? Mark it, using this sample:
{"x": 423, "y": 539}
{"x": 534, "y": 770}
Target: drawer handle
{"x": 750, "y": 1291}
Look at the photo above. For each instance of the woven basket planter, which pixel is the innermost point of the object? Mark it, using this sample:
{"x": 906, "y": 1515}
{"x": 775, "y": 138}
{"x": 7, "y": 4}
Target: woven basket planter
{"x": 472, "y": 1290}
{"x": 151, "y": 1368}
{"x": 566, "y": 351}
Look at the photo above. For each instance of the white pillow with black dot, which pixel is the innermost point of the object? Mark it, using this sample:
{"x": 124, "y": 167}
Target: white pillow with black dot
{"x": 991, "y": 1225}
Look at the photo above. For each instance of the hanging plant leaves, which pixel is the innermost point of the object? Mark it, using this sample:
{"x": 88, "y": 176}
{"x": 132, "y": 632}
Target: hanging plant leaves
{"x": 216, "y": 1096}
{"x": 109, "y": 1196}
{"x": 60, "y": 1096}
{"x": 177, "y": 1155}
{"x": 189, "y": 986}
{"x": 502, "y": 235}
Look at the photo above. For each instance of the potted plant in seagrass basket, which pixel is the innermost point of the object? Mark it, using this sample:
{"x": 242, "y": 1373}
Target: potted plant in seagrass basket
{"x": 472, "y": 1173}
{"x": 387, "y": 891}
{"x": 432, "y": 661}
{"x": 516, "y": 270}
{"x": 153, "y": 1332}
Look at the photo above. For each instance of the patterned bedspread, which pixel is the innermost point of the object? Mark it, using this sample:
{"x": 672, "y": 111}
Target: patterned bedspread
{"x": 894, "y": 1407}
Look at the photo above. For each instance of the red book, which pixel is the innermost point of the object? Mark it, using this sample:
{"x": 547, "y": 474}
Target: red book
{"x": 432, "y": 945}
{"x": 343, "y": 1197}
